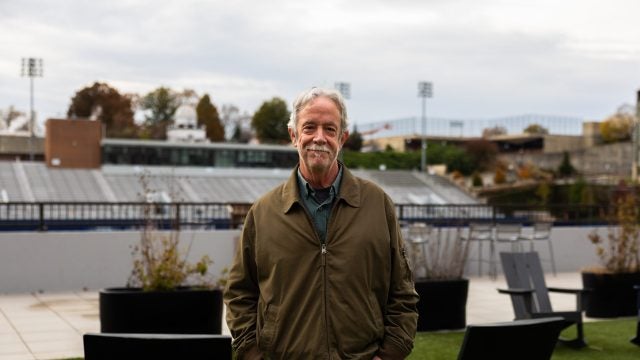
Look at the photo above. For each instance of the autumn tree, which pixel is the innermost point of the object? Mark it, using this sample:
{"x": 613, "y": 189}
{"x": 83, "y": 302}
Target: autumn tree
{"x": 483, "y": 153}
{"x": 160, "y": 107}
{"x": 8, "y": 115}
{"x": 354, "y": 141}
{"x": 618, "y": 127}
{"x": 106, "y": 104}
{"x": 536, "y": 129}
{"x": 208, "y": 116}
{"x": 270, "y": 121}
{"x": 161, "y": 104}
{"x": 565, "y": 169}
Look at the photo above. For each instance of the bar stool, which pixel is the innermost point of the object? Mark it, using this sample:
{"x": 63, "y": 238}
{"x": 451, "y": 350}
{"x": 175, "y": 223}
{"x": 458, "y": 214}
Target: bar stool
{"x": 509, "y": 233}
{"x": 479, "y": 233}
{"x": 419, "y": 235}
{"x": 542, "y": 232}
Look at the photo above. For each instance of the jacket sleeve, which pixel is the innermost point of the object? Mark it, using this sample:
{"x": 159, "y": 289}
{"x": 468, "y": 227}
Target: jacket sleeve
{"x": 242, "y": 293}
{"x": 401, "y": 316}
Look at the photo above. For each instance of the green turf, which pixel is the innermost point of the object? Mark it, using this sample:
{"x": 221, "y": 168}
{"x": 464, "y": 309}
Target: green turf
{"x": 607, "y": 340}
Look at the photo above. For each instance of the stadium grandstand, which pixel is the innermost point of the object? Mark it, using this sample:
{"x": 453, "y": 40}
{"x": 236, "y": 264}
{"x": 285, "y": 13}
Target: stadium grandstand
{"x": 39, "y": 197}
{"x": 35, "y": 182}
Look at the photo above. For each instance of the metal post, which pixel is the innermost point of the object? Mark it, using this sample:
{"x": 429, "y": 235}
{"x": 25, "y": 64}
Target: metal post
{"x": 424, "y": 91}
{"x": 635, "y": 136}
{"x": 31, "y": 67}
{"x": 177, "y": 219}
{"x": 423, "y": 158}
{"x": 31, "y": 119}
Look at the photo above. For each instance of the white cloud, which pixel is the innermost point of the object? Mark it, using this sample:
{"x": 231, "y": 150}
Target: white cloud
{"x": 486, "y": 58}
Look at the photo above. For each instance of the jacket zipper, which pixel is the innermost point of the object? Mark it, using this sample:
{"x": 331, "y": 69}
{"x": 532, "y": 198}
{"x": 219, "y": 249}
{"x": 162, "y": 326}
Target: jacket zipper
{"x": 323, "y": 252}
{"x": 323, "y": 255}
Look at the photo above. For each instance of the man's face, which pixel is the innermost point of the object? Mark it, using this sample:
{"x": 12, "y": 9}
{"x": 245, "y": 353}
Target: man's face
{"x": 318, "y": 136}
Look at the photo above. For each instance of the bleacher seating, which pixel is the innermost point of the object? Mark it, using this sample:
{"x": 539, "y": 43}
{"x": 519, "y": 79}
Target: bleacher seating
{"x": 122, "y": 183}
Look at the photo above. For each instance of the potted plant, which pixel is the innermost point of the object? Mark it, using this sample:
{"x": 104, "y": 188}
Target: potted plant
{"x": 611, "y": 284}
{"x": 165, "y": 294}
{"x": 438, "y": 258}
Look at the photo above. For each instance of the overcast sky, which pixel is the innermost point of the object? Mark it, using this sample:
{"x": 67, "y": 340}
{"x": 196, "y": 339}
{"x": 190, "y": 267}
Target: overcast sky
{"x": 486, "y": 59}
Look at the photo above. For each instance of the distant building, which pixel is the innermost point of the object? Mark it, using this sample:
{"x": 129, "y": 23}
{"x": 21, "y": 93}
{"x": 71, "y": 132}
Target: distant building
{"x": 185, "y": 127}
{"x": 73, "y": 143}
{"x": 224, "y": 155}
{"x": 21, "y": 146}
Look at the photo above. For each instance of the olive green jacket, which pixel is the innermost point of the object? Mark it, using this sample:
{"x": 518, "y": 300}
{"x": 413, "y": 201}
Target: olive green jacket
{"x": 289, "y": 296}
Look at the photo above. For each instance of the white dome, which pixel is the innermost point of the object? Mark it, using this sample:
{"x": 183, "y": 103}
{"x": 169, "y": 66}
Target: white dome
{"x": 186, "y": 116}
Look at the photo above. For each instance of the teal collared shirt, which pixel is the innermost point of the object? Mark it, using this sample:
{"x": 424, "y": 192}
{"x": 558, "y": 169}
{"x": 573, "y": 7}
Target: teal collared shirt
{"x": 319, "y": 211}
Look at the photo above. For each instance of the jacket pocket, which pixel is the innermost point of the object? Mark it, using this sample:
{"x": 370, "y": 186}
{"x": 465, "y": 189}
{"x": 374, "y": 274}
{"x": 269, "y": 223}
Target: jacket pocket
{"x": 406, "y": 266}
{"x": 269, "y": 328}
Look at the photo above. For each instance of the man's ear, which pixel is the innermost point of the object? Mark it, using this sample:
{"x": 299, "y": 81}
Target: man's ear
{"x": 343, "y": 139}
{"x": 292, "y": 135}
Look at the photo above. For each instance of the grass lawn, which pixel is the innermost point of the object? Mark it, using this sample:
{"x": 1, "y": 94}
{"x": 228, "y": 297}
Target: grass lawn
{"x": 607, "y": 340}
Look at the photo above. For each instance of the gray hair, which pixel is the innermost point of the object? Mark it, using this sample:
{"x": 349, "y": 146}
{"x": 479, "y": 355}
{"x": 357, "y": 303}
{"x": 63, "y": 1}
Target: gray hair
{"x": 309, "y": 95}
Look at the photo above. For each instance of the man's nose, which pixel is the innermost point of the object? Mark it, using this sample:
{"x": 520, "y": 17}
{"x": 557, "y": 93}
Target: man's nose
{"x": 320, "y": 136}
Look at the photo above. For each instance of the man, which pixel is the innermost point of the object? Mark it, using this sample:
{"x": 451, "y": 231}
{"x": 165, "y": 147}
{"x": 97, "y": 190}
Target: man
{"x": 321, "y": 271}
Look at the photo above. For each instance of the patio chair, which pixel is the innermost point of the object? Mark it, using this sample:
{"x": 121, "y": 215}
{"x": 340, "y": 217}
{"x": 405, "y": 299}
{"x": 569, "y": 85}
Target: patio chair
{"x": 636, "y": 339}
{"x": 102, "y": 346}
{"x": 509, "y": 233}
{"x": 480, "y": 233}
{"x": 419, "y": 235}
{"x": 542, "y": 232}
{"x": 532, "y": 339}
{"x": 530, "y": 294}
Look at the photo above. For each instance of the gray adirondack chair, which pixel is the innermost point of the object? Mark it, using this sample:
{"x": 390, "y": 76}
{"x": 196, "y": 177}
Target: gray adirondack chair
{"x": 530, "y": 294}
{"x": 636, "y": 339}
{"x": 532, "y": 339}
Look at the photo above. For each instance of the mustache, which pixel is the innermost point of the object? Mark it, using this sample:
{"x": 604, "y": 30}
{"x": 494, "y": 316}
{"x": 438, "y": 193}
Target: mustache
{"x": 318, "y": 148}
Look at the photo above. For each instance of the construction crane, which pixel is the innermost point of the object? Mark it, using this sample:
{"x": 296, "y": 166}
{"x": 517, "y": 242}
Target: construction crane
{"x": 385, "y": 126}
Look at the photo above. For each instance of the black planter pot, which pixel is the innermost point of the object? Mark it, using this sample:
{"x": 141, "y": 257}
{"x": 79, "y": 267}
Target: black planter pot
{"x": 612, "y": 295}
{"x": 442, "y": 305}
{"x": 183, "y": 311}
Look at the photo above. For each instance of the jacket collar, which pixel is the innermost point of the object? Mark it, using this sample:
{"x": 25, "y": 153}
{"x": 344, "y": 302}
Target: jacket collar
{"x": 349, "y": 190}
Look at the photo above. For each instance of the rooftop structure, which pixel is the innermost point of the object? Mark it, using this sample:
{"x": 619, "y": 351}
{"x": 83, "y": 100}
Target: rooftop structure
{"x": 185, "y": 127}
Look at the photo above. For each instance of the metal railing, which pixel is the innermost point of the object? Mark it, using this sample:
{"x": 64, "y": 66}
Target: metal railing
{"x": 43, "y": 216}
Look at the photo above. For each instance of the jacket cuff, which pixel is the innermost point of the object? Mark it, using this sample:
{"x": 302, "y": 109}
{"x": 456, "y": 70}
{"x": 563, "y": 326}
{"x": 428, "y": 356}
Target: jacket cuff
{"x": 389, "y": 351}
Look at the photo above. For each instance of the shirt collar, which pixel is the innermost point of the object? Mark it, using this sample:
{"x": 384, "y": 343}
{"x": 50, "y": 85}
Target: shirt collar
{"x": 308, "y": 191}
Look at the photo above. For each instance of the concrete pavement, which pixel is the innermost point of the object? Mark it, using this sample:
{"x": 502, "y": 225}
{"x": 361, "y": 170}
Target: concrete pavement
{"x": 51, "y": 325}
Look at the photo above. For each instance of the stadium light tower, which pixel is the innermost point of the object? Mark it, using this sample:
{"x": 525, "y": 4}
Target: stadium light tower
{"x": 425, "y": 90}
{"x": 31, "y": 67}
{"x": 344, "y": 88}
{"x": 636, "y": 141}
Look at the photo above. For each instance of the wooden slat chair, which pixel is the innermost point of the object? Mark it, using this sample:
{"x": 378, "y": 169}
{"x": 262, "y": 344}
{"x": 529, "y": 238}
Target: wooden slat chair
{"x": 108, "y": 346}
{"x": 636, "y": 339}
{"x": 530, "y": 294}
{"x": 532, "y": 339}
